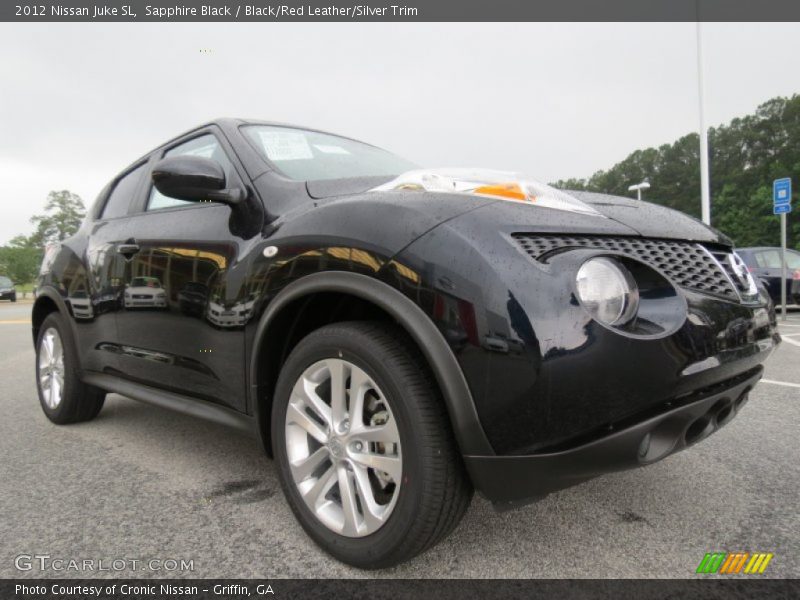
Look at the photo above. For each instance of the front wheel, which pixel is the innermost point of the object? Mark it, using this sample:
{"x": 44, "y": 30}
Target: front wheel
{"x": 63, "y": 396}
{"x": 365, "y": 453}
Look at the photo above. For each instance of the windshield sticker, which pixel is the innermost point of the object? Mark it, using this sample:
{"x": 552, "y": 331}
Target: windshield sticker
{"x": 330, "y": 149}
{"x": 285, "y": 145}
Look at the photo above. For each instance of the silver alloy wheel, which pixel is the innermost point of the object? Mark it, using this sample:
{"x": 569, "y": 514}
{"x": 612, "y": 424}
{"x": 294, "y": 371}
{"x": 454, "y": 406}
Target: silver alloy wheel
{"x": 51, "y": 368}
{"x": 343, "y": 447}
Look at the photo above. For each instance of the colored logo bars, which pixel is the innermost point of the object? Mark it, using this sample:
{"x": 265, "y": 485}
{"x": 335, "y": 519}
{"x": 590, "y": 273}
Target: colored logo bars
{"x": 731, "y": 563}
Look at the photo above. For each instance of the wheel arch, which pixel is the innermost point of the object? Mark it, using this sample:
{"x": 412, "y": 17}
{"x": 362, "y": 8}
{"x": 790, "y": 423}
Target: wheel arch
{"x": 47, "y": 301}
{"x": 281, "y": 317}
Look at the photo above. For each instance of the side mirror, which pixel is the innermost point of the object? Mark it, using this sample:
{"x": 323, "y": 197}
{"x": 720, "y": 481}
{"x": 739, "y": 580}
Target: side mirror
{"x": 195, "y": 179}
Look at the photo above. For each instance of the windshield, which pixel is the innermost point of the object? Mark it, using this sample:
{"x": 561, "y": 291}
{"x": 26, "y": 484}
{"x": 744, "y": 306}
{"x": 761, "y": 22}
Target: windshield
{"x": 5, "y": 282}
{"x": 145, "y": 282}
{"x": 308, "y": 155}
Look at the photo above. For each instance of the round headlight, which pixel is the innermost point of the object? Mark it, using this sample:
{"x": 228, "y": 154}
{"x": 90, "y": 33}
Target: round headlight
{"x": 607, "y": 290}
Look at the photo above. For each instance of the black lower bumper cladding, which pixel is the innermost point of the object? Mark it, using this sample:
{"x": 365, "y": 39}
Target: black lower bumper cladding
{"x": 625, "y": 447}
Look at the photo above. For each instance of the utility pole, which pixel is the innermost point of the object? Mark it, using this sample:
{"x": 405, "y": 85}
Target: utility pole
{"x": 705, "y": 179}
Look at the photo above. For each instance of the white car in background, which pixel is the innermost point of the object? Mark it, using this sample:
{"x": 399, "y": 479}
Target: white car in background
{"x": 145, "y": 292}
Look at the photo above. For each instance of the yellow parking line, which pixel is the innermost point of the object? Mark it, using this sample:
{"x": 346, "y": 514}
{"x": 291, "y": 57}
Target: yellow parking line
{"x": 16, "y": 322}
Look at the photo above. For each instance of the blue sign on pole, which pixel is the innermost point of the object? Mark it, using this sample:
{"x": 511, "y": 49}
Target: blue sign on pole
{"x": 779, "y": 209}
{"x": 782, "y": 191}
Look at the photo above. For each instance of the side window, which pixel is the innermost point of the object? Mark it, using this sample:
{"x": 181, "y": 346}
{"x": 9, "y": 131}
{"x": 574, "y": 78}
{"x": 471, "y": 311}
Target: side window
{"x": 206, "y": 146}
{"x": 122, "y": 194}
{"x": 769, "y": 259}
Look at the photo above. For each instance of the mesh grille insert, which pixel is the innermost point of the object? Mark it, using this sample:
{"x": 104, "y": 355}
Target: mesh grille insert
{"x": 685, "y": 263}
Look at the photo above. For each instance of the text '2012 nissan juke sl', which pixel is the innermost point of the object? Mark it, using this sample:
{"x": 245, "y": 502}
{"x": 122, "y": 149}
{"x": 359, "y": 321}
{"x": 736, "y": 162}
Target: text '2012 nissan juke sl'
{"x": 397, "y": 337}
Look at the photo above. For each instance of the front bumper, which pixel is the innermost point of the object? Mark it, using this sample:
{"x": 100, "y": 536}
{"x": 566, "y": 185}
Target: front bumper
{"x": 145, "y": 303}
{"x": 7, "y": 294}
{"x": 510, "y": 481}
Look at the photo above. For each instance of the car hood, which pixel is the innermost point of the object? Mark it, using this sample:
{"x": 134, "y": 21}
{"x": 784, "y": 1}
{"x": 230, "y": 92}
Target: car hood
{"x": 591, "y": 213}
{"x": 332, "y": 188}
{"x": 652, "y": 220}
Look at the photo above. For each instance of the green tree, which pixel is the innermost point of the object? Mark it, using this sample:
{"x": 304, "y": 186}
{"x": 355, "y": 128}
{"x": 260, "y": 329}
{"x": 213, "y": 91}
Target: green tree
{"x": 747, "y": 216}
{"x": 20, "y": 261}
{"x": 64, "y": 213}
{"x": 746, "y": 155}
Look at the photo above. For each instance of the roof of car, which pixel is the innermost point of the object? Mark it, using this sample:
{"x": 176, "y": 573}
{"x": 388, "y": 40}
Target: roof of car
{"x": 227, "y": 123}
{"x": 233, "y": 122}
{"x": 224, "y": 123}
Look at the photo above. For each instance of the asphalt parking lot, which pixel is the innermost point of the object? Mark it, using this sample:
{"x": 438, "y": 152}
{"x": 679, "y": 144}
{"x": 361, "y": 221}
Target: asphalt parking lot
{"x": 140, "y": 483}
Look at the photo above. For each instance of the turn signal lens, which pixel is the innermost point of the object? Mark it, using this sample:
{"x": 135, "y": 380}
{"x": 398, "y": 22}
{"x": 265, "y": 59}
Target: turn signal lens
{"x": 511, "y": 191}
{"x": 607, "y": 290}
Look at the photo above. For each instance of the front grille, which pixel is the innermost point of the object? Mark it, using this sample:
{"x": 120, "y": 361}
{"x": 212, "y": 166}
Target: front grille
{"x": 722, "y": 259}
{"x": 687, "y": 264}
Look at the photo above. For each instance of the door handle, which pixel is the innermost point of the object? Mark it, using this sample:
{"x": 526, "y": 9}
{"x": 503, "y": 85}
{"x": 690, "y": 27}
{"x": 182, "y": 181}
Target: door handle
{"x": 128, "y": 250}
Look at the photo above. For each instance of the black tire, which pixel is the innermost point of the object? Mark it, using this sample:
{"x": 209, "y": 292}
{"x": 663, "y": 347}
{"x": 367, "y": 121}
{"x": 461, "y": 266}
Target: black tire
{"x": 435, "y": 490}
{"x": 13, "y": 297}
{"x": 79, "y": 401}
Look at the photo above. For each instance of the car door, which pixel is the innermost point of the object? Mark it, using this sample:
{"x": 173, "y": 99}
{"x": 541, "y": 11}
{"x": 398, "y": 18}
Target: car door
{"x": 181, "y": 326}
{"x": 768, "y": 270}
{"x": 773, "y": 272}
{"x": 92, "y": 286}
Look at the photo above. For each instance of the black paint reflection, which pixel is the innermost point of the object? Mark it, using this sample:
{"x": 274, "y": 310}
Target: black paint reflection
{"x": 192, "y": 298}
{"x": 164, "y": 331}
{"x": 144, "y": 292}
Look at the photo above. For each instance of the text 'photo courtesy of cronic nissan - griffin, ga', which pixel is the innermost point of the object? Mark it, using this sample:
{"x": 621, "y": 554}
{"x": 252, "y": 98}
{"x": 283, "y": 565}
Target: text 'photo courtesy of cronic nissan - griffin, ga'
{"x": 397, "y": 337}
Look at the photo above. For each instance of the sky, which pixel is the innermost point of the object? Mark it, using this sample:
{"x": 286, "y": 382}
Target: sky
{"x": 79, "y": 102}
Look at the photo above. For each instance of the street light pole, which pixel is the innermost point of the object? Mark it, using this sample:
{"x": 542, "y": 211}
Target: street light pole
{"x": 705, "y": 179}
{"x": 645, "y": 185}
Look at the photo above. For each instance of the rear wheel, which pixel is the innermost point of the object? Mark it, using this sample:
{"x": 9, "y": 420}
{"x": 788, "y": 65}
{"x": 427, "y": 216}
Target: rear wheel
{"x": 64, "y": 398}
{"x": 365, "y": 453}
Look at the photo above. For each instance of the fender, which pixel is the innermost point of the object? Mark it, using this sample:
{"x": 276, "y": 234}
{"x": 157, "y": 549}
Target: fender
{"x": 460, "y": 406}
{"x": 52, "y": 294}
